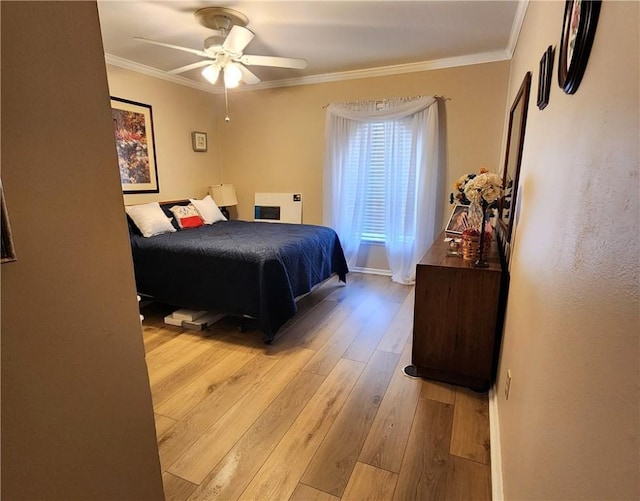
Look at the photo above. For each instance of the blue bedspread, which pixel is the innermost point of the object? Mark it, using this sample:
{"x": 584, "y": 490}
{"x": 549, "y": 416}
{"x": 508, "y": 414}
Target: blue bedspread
{"x": 238, "y": 267}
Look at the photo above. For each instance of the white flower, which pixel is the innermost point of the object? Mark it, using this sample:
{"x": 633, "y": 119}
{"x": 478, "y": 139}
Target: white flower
{"x": 486, "y": 186}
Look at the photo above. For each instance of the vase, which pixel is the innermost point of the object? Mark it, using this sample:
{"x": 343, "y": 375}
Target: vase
{"x": 485, "y": 239}
{"x": 475, "y": 216}
{"x": 470, "y": 243}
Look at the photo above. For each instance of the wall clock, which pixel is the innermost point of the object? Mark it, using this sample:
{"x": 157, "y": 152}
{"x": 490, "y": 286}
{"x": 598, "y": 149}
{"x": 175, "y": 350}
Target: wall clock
{"x": 578, "y": 32}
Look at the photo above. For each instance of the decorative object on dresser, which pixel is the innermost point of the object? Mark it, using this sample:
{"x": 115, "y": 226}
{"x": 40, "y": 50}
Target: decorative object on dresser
{"x": 458, "y": 221}
{"x": 473, "y": 215}
{"x": 135, "y": 144}
{"x": 512, "y": 160}
{"x": 483, "y": 191}
{"x": 578, "y": 31}
{"x": 457, "y": 318}
{"x": 199, "y": 141}
{"x": 224, "y": 195}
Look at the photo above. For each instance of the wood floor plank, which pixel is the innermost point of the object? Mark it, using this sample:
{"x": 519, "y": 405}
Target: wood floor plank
{"x": 186, "y": 371}
{"x": 176, "y": 488}
{"x": 322, "y": 332}
{"x": 182, "y": 402}
{"x": 441, "y": 392}
{"x": 163, "y": 423}
{"x": 164, "y": 358}
{"x": 423, "y": 474}
{"x": 306, "y": 493}
{"x": 232, "y": 475}
{"x": 356, "y": 283}
{"x": 365, "y": 344}
{"x": 297, "y": 332}
{"x": 153, "y": 337}
{"x": 281, "y": 472}
{"x": 400, "y": 329}
{"x": 184, "y": 433}
{"x": 387, "y": 439}
{"x": 215, "y": 443}
{"x": 398, "y": 292}
{"x": 335, "y": 459}
{"x": 327, "y": 356}
{"x": 468, "y": 480}
{"x": 470, "y": 436}
{"x": 370, "y": 484}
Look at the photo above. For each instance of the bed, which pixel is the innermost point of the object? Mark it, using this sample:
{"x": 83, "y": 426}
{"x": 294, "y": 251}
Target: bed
{"x": 249, "y": 269}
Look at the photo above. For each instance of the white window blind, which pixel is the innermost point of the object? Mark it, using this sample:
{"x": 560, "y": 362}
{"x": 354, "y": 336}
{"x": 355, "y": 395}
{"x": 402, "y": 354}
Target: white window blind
{"x": 384, "y": 161}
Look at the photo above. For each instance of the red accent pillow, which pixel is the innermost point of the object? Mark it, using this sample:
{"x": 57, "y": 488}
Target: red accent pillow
{"x": 190, "y": 222}
{"x": 187, "y": 216}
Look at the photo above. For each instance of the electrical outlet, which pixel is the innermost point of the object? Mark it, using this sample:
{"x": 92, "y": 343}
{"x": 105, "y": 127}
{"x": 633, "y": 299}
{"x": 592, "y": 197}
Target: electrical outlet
{"x": 507, "y": 385}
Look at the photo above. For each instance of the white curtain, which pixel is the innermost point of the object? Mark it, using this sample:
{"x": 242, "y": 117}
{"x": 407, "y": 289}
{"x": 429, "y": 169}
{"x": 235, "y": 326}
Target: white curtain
{"x": 411, "y": 192}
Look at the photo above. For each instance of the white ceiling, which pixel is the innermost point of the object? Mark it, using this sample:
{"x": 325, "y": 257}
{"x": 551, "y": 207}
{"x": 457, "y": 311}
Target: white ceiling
{"x": 338, "y": 39}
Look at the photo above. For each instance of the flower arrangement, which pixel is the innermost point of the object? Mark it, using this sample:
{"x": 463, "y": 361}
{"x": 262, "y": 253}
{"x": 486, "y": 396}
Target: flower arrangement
{"x": 485, "y": 188}
{"x": 483, "y": 191}
{"x": 461, "y": 184}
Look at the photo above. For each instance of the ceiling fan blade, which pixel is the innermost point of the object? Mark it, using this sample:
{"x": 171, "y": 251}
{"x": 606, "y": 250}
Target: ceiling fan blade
{"x": 191, "y": 66}
{"x": 280, "y": 62}
{"x": 248, "y": 76}
{"x": 170, "y": 46}
{"x": 237, "y": 39}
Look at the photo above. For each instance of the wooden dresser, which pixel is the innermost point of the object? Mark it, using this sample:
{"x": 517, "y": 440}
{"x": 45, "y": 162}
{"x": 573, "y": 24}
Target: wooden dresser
{"x": 457, "y": 316}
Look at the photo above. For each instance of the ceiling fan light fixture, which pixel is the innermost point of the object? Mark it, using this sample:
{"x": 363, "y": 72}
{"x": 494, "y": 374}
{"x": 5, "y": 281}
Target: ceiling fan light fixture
{"x": 233, "y": 72}
{"x": 211, "y": 73}
{"x": 232, "y": 75}
{"x": 230, "y": 83}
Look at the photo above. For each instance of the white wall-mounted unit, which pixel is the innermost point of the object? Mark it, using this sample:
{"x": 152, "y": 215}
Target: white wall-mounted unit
{"x": 278, "y": 207}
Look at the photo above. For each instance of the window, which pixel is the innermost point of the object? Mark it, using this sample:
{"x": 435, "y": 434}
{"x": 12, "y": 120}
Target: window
{"x": 381, "y": 178}
{"x": 384, "y": 162}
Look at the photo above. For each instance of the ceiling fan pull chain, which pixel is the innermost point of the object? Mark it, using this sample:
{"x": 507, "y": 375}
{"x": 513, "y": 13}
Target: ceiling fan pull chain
{"x": 226, "y": 105}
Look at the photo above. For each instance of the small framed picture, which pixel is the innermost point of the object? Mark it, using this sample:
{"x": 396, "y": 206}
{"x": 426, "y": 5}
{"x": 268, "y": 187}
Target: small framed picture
{"x": 458, "y": 220}
{"x": 544, "y": 78}
{"x": 199, "y": 141}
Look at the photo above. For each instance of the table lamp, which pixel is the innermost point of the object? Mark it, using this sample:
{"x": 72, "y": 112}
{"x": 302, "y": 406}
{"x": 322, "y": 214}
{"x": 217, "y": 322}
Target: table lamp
{"x": 224, "y": 195}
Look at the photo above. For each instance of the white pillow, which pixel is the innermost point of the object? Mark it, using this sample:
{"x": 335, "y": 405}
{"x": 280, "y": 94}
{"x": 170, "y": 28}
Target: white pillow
{"x": 150, "y": 219}
{"x": 208, "y": 210}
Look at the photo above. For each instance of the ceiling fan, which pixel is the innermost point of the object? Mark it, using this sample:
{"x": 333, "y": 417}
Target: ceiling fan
{"x": 224, "y": 50}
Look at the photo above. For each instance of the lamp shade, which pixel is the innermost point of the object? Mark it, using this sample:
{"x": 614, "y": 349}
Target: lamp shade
{"x": 211, "y": 73}
{"x": 224, "y": 195}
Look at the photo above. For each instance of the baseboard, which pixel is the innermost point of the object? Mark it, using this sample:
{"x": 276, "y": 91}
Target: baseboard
{"x": 371, "y": 271}
{"x": 497, "y": 493}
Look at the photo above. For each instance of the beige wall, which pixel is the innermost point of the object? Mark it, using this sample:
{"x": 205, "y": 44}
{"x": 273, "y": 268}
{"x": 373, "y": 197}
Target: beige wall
{"x": 177, "y": 111}
{"x": 77, "y": 420}
{"x": 275, "y": 140}
{"x": 570, "y": 427}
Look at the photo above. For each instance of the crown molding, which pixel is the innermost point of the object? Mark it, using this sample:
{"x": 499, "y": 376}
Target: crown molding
{"x": 398, "y": 69}
{"x": 127, "y": 64}
{"x": 518, "y": 20}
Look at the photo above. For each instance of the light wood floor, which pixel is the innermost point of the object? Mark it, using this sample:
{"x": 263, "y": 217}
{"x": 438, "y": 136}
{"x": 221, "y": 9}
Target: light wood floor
{"x": 325, "y": 413}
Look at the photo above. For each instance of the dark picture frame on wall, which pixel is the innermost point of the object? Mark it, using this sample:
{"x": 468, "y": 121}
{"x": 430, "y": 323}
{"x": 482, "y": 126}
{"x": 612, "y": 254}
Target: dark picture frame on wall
{"x": 135, "y": 144}
{"x": 512, "y": 161}
{"x": 578, "y": 31}
{"x": 544, "y": 78}
{"x": 8, "y": 251}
